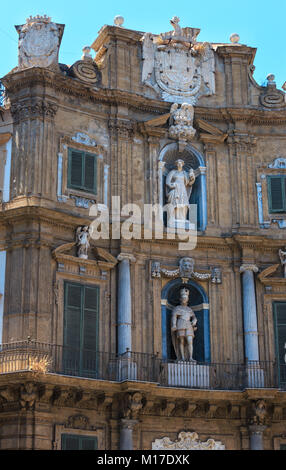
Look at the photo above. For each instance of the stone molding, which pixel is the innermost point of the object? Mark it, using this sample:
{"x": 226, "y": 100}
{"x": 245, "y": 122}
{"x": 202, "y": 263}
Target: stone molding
{"x": 126, "y": 256}
{"x": 40, "y": 109}
{"x": 187, "y": 441}
{"x": 87, "y": 71}
{"x": 248, "y": 267}
{"x": 125, "y": 129}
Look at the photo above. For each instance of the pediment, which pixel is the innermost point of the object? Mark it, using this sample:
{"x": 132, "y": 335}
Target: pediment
{"x": 267, "y": 276}
{"x": 97, "y": 257}
{"x": 211, "y": 133}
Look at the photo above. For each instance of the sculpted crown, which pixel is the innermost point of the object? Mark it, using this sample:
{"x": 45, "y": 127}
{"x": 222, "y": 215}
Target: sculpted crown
{"x": 38, "y": 19}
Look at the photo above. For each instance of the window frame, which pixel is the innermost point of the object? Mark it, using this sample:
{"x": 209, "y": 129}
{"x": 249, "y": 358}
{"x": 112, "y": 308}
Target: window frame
{"x": 82, "y": 187}
{"x": 81, "y": 437}
{"x": 81, "y": 370}
{"x": 269, "y": 194}
{"x": 276, "y": 336}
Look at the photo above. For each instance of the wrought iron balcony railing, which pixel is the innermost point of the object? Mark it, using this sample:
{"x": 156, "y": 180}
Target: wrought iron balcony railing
{"x": 140, "y": 367}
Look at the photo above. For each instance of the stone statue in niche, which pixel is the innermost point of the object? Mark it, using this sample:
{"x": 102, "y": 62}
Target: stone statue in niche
{"x": 183, "y": 327}
{"x": 179, "y": 188}
{"x": 282, "y": 256}
{"x": 82, "y": 241}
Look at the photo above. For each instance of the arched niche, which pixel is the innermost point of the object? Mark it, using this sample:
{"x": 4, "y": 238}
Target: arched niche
{"x": 198, "y": 301}
{"x": 193, "y": 159}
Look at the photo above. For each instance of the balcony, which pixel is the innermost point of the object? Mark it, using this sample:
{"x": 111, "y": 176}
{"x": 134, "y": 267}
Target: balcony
{"x": 139, "y": 367}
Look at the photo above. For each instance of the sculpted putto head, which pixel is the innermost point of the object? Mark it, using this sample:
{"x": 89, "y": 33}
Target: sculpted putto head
{"x": 187, "y": 266}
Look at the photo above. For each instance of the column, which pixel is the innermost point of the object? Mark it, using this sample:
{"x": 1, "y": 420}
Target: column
{"x": 203, "y": 206}
{"x": 2, "y": 289}
{"x": 256, "y": 436}
{"x": 124, "y": 313}
{"x": 250, "y": 312}
{"x": 126, "y": 433}
{"x": 161, "y": 167}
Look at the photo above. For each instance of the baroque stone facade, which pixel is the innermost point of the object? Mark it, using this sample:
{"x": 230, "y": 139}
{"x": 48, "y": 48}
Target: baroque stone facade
{"x": 87, "y": 357}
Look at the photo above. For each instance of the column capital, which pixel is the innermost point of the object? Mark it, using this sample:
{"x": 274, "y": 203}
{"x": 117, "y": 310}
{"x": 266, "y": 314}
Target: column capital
{"x": 248, "y": 267}
{"x": 126, "y": 256}
{"x": 203, "y": 170}
{"x": 161, "y": 165}
{"x": 257, "y": 429}
{"x": 128, "y": 423}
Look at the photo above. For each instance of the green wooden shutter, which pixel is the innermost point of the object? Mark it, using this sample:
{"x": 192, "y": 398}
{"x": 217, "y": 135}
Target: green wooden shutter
{"x": 78, "y": 442}
{"x": 90, "y": 173}
{"x": 81, "y": 313}
{"x": 280, "y": 337}
{"x": 276, "y": 193}
{"x": 90, "y": 328}
{"x": 82, "y": 171}
{"x": 70, "y": 442}
{"x": 72, "y": 326}
{"x": 76, "y": 161}
{"x": 88, "y": 443}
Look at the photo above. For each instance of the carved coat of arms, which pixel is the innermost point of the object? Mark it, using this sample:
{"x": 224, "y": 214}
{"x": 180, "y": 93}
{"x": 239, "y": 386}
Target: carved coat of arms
{"x": 178, "y": 67}
{"x": 39, "y": 41}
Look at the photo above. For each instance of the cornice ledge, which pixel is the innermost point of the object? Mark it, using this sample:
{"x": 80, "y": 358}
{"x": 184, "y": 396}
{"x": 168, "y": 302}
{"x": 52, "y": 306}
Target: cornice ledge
{"x": 250, "y": 114}
{"x": 109, "y": 32}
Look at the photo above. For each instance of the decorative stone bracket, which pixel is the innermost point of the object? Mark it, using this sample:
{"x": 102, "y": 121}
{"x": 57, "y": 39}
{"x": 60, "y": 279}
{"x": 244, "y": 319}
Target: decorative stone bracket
{"x": 185, "y": 271}
{"x": 187, "y": 441}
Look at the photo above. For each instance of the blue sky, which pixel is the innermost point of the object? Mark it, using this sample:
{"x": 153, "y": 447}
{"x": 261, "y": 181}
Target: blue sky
{"x": 260, "y": 24}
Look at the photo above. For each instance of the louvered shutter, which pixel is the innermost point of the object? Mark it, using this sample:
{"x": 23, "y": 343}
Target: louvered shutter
{"x": 72, "y": 327}
{"x": 90, "y": 173}
{"x": 280, "y": 323}
{"x": 78, "y": 442}
{"x": 88, "y": 443}
{"x": 76, "y": 168}
{"x": 90, "y": 328}
{"x": 70, "y": 442}
{"x": 80, "y": 329}
{"x": 82, "y": 171}
{"x": 276, "y": 185}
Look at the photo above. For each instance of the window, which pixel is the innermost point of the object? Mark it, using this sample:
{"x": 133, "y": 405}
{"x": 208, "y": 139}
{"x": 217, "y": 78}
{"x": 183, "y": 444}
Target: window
{"x": 276, "y": 193}
{"x": 81, "y": 308}
{"x": 82, "y": 171}
{"x": 280, "y": 338}
{"x": 78, "y": 442}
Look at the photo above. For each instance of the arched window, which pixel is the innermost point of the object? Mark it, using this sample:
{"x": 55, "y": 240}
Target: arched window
{"x": 198, "y": 301}
{"x": 193, "y": 159}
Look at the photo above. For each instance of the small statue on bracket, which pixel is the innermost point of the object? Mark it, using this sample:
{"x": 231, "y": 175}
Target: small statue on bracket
{"x": 282, "y": 256}
{"x": 82, "y": 241}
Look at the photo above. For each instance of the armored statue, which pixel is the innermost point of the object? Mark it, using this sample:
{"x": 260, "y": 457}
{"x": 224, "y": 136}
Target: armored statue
{"x": 183, "y": 326}
{"x": 82, "y": 241}
{"x": 179, "y": 188}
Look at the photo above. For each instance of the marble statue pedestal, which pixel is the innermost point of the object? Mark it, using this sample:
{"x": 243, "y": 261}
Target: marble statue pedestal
{"x": 188, "y": 374}
{"x": 254, "y": 376}
{"x": 126, "y": 369}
